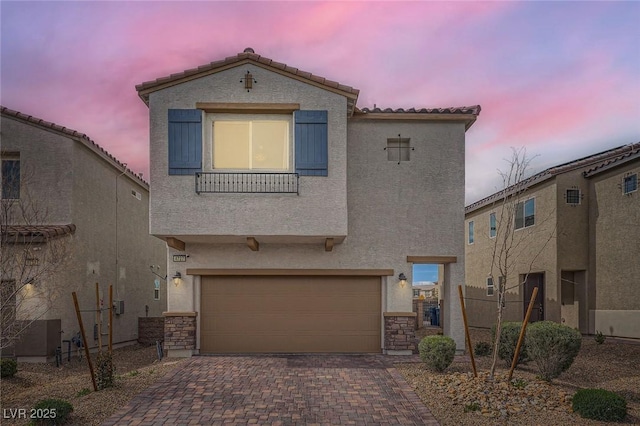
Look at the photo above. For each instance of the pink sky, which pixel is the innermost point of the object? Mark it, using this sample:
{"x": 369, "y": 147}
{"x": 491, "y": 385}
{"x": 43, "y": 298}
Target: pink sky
{"x": 561, "y": 79}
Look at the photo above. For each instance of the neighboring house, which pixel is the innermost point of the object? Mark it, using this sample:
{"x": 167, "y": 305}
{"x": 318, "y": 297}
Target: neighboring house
{"x": 89, "y": 208}
{"x": 290, "y": 213}
{"x": 578, "y": 227}
{"x": 427, "y": 290}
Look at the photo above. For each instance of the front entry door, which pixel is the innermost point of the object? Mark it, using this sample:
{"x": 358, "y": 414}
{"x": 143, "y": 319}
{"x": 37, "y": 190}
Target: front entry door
{"x": 534, "y": 280}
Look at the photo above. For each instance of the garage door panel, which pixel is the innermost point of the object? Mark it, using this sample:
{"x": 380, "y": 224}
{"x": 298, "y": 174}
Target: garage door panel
{"x": 290, "y": 314}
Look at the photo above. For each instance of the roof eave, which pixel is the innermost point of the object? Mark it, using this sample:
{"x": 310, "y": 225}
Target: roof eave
{"x": 469, "y": 119}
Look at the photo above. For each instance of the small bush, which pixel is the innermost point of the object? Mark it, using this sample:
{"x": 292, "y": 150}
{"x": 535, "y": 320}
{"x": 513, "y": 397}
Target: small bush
{"x": 437, "y": 351}
{"x": 474, "y": 406}
{"x": 519, "y": 383}
{"x": 599, "y": 337}
{"x": 104, "y": 371}
{"x": 599, "y": 404}
{"x": 51, "y": 412}
{"x": 482, "y": 349}
{"x": 508, "y": 342}
{"x": 8, "y": 367}
{"x": 83, "y": 392}
{"x": 553, "y": 347}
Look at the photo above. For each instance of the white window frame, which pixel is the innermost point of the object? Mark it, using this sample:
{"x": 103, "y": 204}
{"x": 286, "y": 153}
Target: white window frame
{"x": 208, "y": 143}
{"x": 493, "y": 230}
{"x": 524, "y": 218}
{"x": 471, "y": 233}
{"x": 624, "y": 187}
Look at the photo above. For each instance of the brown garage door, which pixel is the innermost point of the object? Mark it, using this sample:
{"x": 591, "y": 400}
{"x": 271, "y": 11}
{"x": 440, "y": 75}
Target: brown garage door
{"x": 241, "y": 314}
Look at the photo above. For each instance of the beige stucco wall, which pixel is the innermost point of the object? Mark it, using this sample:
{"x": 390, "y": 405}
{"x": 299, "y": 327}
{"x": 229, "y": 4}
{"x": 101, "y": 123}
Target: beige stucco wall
{"x": 534, "y": 251}
{"x": 176, "y": 210}
{"x": 78, "y": 186}
{"x": 614, "y": 307}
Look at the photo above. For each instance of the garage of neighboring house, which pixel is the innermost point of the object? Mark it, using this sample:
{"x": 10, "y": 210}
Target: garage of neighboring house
{"x": 290, "y": 313}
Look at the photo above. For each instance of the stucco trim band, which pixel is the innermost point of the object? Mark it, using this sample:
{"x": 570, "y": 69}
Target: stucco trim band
{"x": 179, "y": 314}
{"x": 432, "y": 259}
{"x": 247, "y": 108}
{"x": 305, "y": 272}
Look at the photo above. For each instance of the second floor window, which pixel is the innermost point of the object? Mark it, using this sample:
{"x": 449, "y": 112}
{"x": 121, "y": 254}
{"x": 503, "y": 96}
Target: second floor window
{"x": 630, "y": 183}
{"x": 10, "y": 178}
{"x": 525, "y": 213}
{"x": 471, "y": 232}
{"x": 492, "y": 225}
{"x": 251, "y": 145}
{"x": 573, "y": 196}
{"x": 489, "y": 286}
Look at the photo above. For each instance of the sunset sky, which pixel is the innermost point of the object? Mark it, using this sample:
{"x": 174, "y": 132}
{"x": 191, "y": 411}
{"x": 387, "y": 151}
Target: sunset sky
{"x": 559, "y": 78}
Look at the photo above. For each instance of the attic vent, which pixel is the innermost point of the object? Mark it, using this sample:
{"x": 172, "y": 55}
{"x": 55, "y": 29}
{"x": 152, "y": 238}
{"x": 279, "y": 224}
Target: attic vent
{"x": 249, "y": 50}
{"x": 136, "y": 194}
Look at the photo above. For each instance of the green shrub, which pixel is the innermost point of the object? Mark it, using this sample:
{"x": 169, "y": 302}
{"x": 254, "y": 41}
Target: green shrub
{"x": 599, "y": 404}
{"x": 508, "y": 342}
{"x": 437, "y": 351}
{"x": 474, "y": 406}
{"x": 51, "y": 412}
{"x": 599, "y": 337}
{"x": 519, "y": 383}
{"x": 553, "y": 347}
{"x": 482, "y": 349}
{"x": 104, "y": 371}
{"x": 8, "y": 367}
{"x": 83, "y": 392}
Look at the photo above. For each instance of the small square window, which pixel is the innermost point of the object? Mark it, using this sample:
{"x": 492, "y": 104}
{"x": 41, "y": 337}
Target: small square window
{"x": 398, "y": 149}
{"x": 572, "y": 196}
{"x": 489, "y": 286}
{"x": 630, "y": 183}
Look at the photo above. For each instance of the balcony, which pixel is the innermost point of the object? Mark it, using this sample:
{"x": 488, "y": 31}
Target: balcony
{"x": 257, "y": 183}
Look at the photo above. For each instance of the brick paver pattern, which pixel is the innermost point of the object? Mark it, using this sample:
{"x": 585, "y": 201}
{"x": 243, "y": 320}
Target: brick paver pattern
{"x": 279, "y": 390}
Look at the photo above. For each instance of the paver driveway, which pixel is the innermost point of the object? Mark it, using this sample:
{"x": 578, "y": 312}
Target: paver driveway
{"x": 279, "y": 389}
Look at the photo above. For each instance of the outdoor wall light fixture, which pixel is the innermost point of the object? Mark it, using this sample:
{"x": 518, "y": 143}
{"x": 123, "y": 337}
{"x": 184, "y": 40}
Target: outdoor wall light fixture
{"x": 403, "y": 279}
{"x": 248, "y": 81}
{"x": 177, "y": 278}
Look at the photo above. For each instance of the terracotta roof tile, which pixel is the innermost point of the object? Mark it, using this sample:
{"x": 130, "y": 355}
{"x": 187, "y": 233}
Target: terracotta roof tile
{"x": 83, "y": 138}
{"x": 631, "y": 152}
{"x": 475, "y": 110}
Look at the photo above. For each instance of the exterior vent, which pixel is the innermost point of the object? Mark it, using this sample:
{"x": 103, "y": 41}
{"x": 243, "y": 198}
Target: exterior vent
{"x": 118, "y": 306}
{"x": 136, "y": 194}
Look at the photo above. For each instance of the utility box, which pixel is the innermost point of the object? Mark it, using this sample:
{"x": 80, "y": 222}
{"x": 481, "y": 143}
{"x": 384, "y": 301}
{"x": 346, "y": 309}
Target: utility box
{"x": 118, "y": 307}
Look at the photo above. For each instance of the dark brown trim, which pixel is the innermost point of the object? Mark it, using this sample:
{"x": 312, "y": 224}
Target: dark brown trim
{"x": 400, "y": 314}
{"x": 175, "y": 243}
{"x": 179, "y": 314}
{"x": 293, "y": 272}
{"x": 432, "y": 259}
{"x": 253, "y": 244}
{"x": 248, "y": 108}
{"x": 328, "y": 244}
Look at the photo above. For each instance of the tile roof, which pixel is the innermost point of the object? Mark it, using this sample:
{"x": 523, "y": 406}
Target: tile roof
{"x": 81, "y": 137}
{"x": 248, "y": 56}
{"x": 597, "y": 161}
{"x": 32, "y": 233}
{"x": 467, "y": 113}
{"x": 631, "y": 152}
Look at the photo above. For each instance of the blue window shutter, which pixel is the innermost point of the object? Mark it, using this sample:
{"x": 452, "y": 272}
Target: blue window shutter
{"x": 185, "y": 141}
{"x": 311, "y": 143}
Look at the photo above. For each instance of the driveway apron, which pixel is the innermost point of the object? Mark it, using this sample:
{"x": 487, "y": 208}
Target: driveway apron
{"x": 279, "y": 390}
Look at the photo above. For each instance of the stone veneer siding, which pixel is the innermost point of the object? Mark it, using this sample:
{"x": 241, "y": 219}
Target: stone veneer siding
{"x": 399, "y": 331}
{"x": 150, "y": 330}
{"x": 180, "y": 330}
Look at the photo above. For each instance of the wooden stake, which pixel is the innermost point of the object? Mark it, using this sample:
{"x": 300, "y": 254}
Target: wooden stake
{"x": 84, "y": 340}
{"x": 110, "y": 319}
{"x": 522, "y": 330}
{"x": 466, "y": 331}
{"x": 98, "y": 319}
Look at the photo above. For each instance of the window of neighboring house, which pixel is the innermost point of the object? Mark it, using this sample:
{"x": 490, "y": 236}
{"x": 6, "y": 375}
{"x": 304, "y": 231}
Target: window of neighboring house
{"x": 11, "y": 177}
{"x": 398, "y": 149}
{"x": 572, "y": 196}
{"x": 156, "y": 290}
{"x": 525, "y": 213}
{"x": 251, "y": 145}
{"x": 489, "y": 286}
{"x": 471, "y": 232}
{"x": 492, "y": 225}
{"x": 630, "y": 183}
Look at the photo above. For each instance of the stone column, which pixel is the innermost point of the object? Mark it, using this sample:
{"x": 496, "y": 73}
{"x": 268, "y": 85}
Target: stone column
{"x": 399, "y": 333}
{"x": 180, "y": 333}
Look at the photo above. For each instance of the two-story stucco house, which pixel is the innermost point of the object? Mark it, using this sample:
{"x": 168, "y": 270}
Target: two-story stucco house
{"x": 577, "y": 230}
{"x": 72, "y": 216}
{"x": 292, "y": 217}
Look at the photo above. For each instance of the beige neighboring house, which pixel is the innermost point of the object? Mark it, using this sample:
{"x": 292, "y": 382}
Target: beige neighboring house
{"x": 291, "y": 214}
{"x": 578, "y": 227}
{"x": 97, "y": 210}
{"x": 428, "y": 290}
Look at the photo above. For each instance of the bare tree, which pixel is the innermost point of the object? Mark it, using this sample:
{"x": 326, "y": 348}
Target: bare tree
{"x": 33, "y": 252}
{"x": 508, "y": 246}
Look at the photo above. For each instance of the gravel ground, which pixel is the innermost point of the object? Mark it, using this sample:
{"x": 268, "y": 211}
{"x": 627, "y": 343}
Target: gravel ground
{"x": 612, "y": 366}
{"x": 137, "y": 368}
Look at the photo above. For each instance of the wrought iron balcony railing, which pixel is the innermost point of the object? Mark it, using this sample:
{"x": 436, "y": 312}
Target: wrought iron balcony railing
{"x": 215, "y": 182}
